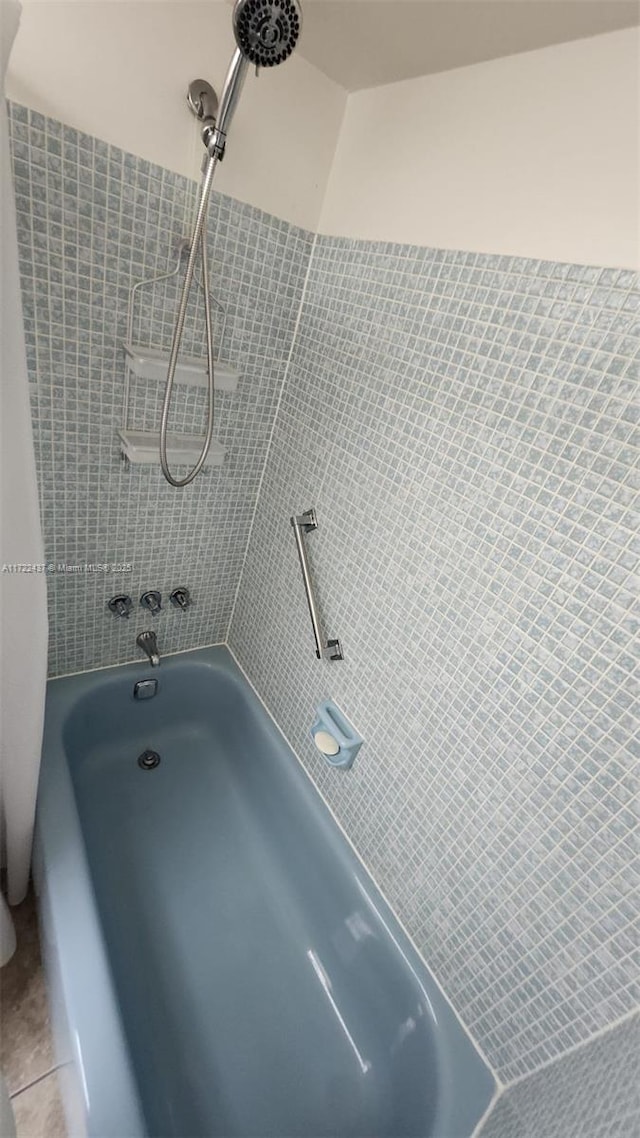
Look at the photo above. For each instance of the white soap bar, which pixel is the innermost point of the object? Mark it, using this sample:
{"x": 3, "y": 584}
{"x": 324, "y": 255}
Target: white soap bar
{"x": 326, "y": 743}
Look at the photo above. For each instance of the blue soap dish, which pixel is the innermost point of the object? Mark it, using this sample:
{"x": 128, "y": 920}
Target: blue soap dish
{"x": 335, "y": 738}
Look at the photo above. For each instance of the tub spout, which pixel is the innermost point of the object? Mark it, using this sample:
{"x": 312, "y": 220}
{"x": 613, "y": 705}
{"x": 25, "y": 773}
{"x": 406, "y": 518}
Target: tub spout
{"x": 149, "y": 644}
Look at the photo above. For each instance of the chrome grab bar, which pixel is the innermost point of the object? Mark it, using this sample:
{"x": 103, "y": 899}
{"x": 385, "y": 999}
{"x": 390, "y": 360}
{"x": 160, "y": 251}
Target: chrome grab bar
{"x": 325, "y": 649}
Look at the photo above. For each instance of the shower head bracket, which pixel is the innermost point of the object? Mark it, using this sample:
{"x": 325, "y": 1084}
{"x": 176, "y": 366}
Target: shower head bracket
{"x": 203, "y": 103}
{"x": 202, "y": 100}
{"x": 214, "y": 140}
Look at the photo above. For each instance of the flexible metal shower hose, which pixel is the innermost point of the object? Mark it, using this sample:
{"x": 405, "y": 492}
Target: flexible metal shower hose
{"x": 198, "y": 244}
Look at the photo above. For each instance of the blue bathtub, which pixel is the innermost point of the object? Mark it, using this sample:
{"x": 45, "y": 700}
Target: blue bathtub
{"x": 220, "y": 963}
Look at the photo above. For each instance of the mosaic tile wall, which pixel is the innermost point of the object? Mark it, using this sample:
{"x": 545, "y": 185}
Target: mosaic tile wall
{"x": 92, "y": 221}
{"x": 592, "y": 1093}
{"x": 466, "y": 427}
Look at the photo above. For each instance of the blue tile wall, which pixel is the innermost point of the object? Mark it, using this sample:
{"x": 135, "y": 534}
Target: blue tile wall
{"x": 92, "y": 221}
{"x": 466, "y": 427}
{"x": 592, "y": 1093}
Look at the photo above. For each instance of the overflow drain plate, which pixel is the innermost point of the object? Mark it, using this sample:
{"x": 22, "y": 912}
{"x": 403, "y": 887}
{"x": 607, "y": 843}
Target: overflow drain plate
{"x": 148, "y": 760}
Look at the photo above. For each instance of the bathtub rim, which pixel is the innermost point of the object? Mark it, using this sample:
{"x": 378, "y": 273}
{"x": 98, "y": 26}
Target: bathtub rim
{"x": 80, "y": 986}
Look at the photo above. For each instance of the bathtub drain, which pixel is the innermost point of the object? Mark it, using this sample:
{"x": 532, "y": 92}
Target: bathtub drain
{"x": 148, "y": 760}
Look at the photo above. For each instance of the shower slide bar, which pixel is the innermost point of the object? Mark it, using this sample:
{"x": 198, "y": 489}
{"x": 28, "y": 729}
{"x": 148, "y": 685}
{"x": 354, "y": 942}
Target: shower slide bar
{"x": 325, "y": 649}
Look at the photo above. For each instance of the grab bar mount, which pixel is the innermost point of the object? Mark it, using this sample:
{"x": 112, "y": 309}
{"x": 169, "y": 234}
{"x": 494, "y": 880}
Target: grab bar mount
{"x": 307, "y": 521}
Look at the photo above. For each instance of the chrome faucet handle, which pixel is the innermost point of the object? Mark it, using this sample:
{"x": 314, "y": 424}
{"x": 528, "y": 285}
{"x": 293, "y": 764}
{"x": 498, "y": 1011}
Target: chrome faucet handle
{"x": 151, "y": 600}
{"x": 181, "y": 598}
{"x": 120, "y": 605}
{"x": 149, "y": 644}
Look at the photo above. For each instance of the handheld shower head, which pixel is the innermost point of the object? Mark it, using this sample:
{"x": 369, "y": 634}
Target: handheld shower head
{"x": 266, "y": 31}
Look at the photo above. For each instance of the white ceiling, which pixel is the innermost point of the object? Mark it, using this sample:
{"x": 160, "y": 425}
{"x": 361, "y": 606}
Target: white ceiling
{"x": 366, "y": 43}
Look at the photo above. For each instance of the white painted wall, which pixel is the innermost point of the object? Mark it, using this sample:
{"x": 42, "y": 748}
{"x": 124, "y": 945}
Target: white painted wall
{"x": 534, "y": 154}
{"x": 119, "y": 70}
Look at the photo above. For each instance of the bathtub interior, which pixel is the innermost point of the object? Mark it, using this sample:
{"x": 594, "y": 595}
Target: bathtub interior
{"x": 263, "y": 984}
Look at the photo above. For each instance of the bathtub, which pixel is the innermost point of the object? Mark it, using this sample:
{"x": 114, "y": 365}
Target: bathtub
{"x": 220, "y": 963}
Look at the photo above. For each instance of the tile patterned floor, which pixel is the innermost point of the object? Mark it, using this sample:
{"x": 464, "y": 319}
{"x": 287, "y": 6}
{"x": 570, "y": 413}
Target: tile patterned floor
{"x": 26, "y": 1050}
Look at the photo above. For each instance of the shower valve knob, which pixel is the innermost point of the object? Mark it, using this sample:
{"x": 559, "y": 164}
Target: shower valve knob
{"x": 181, "y": 598}
{"x": 120, "y": 605}
{"x": 151, "y": 600}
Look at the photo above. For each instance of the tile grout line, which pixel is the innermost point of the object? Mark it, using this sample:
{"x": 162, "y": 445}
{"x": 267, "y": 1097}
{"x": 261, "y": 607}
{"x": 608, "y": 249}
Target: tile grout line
{"x": 504, "y": 1090}
{"x": 138, "y": 660}
{"x": 602, "y": 1031}
{"x": 272, "y": 433}
{"x": 499, "y": 1093}
{"x": 34, "y": 1082}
